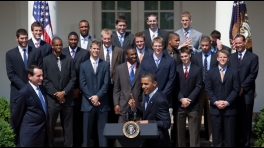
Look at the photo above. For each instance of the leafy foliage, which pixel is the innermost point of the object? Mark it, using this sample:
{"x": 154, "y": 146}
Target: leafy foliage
{"x": 258, "y": 129}
{"x": 7, "y": 138}
{"x": 4, "y": 109}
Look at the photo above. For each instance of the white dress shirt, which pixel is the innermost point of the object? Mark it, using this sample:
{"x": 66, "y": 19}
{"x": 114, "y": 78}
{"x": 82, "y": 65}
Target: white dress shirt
{"x": 155, "y": 33}
{"x": 22, "y": 51}
{"x": 35, "y": 89}
{"x": 84, "y": 41}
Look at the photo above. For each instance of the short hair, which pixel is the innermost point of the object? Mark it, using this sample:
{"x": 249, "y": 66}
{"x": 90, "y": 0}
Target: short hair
{"x": 215, "y": 34}
{"x": 56, "y": 38}
{"x": 205, "y": 39}
{"x": 84, "y": 21}
{"x": 172, "y": 34}
{"x": 185, "y": 49}
{"x": 73, "y": 33}
{"x": 30, "y": 69}
{"x": 106, "y": 31}
{"x": 152, "y": 77}
{"x": 223, "y": 51}
{"x": 95, "y": 42}
{"x": 186, "y": 14}
{"x": 21, "y": 32}
{"x": 130, "y": 48}
{"x": 36, "y": 24}
{"x": 120, "y": 19}
{"x": 140, "y": 34}
{"x": 157, "y": 39}
{"x": 240, "y": 35}
{"x": 153, "y": 14}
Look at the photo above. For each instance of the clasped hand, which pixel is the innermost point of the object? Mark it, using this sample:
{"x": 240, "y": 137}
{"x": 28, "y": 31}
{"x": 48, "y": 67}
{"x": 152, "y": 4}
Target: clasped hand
{"x": 185, "y": 102}
{"x": 95, "y": 100}
{"x": 221, "y": 104}
{"x": 60, "y": 96}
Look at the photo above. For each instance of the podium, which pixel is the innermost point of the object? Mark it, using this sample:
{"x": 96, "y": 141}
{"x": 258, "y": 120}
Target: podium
{"x": 115, "y": 131}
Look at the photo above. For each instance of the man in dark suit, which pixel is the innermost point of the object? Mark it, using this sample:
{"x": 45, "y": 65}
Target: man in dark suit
{"x": 29, "y": 115}
{"x": 247, "y": 63}
{"x": 164, "y": 67}
{"x": 207, "y": 60}
{"x": 121, "y": 38}
{"x": 189, "y": 37}
{"x": 154, "y": 109}
{"x": 142, "y": 51}
{"x": 172, "y": 47}
{"x": 35, "y": 41}
{"x": 188, "y": 87}
{"x": 59, "y": 80}
{"x": 154, "y": 31}
{"x": 78, "y": 55}
{"x": 216, "y": 43}
{"x": 17, "y": 61}
{"x": 85, "y": 38}
{"x": 222, "y": 85}
{"x": 94, "y": 82}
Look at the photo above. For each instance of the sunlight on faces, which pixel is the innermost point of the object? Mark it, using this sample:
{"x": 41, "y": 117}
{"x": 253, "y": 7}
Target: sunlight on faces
{"x": 131, "y": 56}
{"x": 94, "y": 50}
{"x": 84, "y": 28}
{"x": 174, "y": 42}
{"x": 140, "y": 43}
{"x": 157, "y": 48}
{"x": 206, "y": 46}
{"x": 185, "y": 57}
{"x": 121, "y": 27}
{"x": 57, "y": 46}
{"x": 222, "y": 59}
{"x": 37, "y": 78}
{"x": 152, "y": 22}
{"x": 37, "y": 32}
{"x": 147, "y": 85}
{"x": 22, "y": 40}
{"x": 107, "y": 39}
{"x": 73, "y": 41}
{"x": 240, "y": 45}
{"x": 186, "y": 22}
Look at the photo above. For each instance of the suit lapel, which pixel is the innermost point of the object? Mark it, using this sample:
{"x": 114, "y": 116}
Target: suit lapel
{"x": 37, "y": 99}
{"x": 226, "y": 74}
{"x": 162, "y": 62}
{"x": 160, "y": 33}
{"x": 218, "y": 75}
{"x": 45, "y": 98}
{"x": 126, "y": 39}
{"x": 243, "y": 61}
{"x": 189, "y": 74}
{"x": 18, "y": 56}
{"x": 126, "y": 73}
{"x": 29, "y": 55}
{"x": 100, "y": 64}
{"x": 148, "y": 38}
{"x": 150, "y": 104}
{"x": 77, "y": 54}
{"x": 101, "y": 54}
{"x": 136, "y": 74}
{"x": 114, "y": 55}
{"x": 89, "y": 43}
{"x": 116, "y": 39}
{"x": 152, "y": 63}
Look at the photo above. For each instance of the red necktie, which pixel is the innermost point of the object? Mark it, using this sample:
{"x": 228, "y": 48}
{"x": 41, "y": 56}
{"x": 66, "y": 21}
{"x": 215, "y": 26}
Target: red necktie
{"x": 186, "y": 35}
{"x": 186, "y": 73}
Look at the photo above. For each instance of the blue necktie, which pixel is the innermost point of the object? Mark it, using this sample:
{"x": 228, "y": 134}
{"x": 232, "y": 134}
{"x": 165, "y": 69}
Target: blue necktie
{"x": 205, "y": 67}
{"x": 25, "y": 58}
{"x": 240, "y": 57}
{"x": 157, "y": 62}
{"x": 120, "y": 40}
{"x": 146, "y": 100}
{"x": 41, "y": 100}
{"x": 131, "y": 74}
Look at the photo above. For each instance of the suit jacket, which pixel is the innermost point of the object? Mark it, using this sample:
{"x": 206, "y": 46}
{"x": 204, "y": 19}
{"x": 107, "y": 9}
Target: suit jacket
{"x": 157, "y": 111}
{"x": 44, "y": 47}
{"x": 189, "y": 88}
{"x": 55, "y": 80}
{"x": 16, "y": 70}
{"x": 94, "y": 84}
{"x": 117, "y": 58}
{"x": 30, "y": 122}
{"x": 177, "y": 59}
{"x": 194, "y": 35}
{"x": 165, "y": 73}
{"x": 90, "y": 40}
{"x": 226, "y": 90}
{"x": 81, "y": 55}
{"x": 248, "y": 72}
{"x": 128, "y": 40}
{"x": 123, "y": 88}
{"x": 161, "y": 33}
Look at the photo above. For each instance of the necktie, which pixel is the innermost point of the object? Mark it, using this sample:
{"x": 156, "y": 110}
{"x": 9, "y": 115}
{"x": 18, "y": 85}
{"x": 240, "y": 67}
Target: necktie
{"x": 146, "y": 100}
{"x": 186, "y": 73}
{"x": 131, "y": 76}
{"x": 37, "y": 45}
{"x": 222, "y": 74}
{"x": 215, "y": 49}
{"x": 25, "y": 58}
{"x": 240, "y": 58}
{"x": 94, "y": 66}
{"x": 153, "y": 36}
{"x": 83, "y": 44}
{"x": 140, "y": 56}
{"x": 172, "y": 54}
{"x": 107, "y": 59}
{"x": 41, "y": 100}
{"x": 205, "y": 67}
{"x": 186, "y": 35}
{"x": 120, "y": 40}
{"x": 73, "y": 54}
{"x": 157, "y": 62}
{"x": 59, "y": 63}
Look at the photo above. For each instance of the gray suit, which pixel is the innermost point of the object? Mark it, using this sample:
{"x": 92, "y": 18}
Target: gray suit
{"x": 128, "y": 40}
{"x": 90, "y": 39}
{"x": 194, "y": 35}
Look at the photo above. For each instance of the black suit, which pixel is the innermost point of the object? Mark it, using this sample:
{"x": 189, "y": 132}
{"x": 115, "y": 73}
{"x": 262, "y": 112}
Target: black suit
{"x": 56, "y": 81}
{"x": 157, "y": 111}
{"x": 248, "y": 72}
{"x": 44, "y": 47}
{"x": 30, "y": 122}
{"x": 161, "y": 33}
{"x": 94, "y": 84}
{"x": 81, "y": 55}
{"x": 176, "y": 55}
{"x": 189, "y": 88}
{"x": 227, "y": 91}
{"x": 16, "y": 70}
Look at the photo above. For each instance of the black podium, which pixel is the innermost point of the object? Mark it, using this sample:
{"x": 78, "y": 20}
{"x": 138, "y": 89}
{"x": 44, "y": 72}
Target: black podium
{"x": 115, "y": 131}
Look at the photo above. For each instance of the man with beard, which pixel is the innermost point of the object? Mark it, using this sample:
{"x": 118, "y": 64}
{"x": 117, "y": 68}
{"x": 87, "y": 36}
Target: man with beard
{"x": 85, "y": 38}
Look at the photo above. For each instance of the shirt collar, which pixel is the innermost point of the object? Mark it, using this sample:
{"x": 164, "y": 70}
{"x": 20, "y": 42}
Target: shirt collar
{"x": 129, "y": 65}
{"x": 35, "y": 41}
{"x": 118, "y": 34}
{"x": 157, "y": 58}
{"x": 243, "y": 53}
{"x": 152, "y": 93}
{"x": 155, "y": 32}
{"x": 21, "y": 49}
{"x": 92, "y": 60}
{"x": 75, "y": 49}
{"x": 109, "y": 48}
{"x": 187, "y": 66}
{"x": 143, "y": 50}
{"x": 34, "y": 86}
{"x": 189, "y": 30}
{"x": 208, "y": 53}
{"x": 86, "y": 38}
{"x": 219, "y": 67}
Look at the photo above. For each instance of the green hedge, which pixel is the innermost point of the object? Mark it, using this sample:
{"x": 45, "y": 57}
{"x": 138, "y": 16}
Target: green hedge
{"x": 258, "y": 129}
{"x": 7, "y": 137}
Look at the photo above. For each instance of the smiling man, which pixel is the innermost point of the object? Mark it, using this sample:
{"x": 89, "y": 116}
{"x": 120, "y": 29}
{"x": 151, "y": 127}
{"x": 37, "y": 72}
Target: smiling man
{"x": 142, "y": 51}
{"x": 85, "y": 38}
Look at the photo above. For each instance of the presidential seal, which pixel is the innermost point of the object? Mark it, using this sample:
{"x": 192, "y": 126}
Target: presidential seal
{"x": 131, "y": 129}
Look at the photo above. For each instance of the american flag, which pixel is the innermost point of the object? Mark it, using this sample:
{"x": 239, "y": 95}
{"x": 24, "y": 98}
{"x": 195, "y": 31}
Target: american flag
{"x": 41, "y": 14}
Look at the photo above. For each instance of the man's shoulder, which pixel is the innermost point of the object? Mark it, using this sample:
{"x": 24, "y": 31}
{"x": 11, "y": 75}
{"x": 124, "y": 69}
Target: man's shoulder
{"x": 178, "y": 31}
{"x": 10, "y": 51}
{"x": 197, "y": 32}
{"x": 116, "y": 48}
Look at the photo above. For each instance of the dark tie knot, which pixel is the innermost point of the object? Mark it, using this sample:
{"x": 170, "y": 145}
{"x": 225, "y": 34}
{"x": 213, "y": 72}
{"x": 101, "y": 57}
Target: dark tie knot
{"x": 24, "y": 50}
{"x": 147, "y": 98}
{"x": 206, "y": 55}
{"x": 132, "y": 66}
{"x": 58, "y": 58}
{"x": 240, "y": 54}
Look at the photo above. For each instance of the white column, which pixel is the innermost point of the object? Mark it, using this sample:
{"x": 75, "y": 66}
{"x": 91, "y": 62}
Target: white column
{"x": 53, "y": 16}
{"x": 223, "y": 14}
